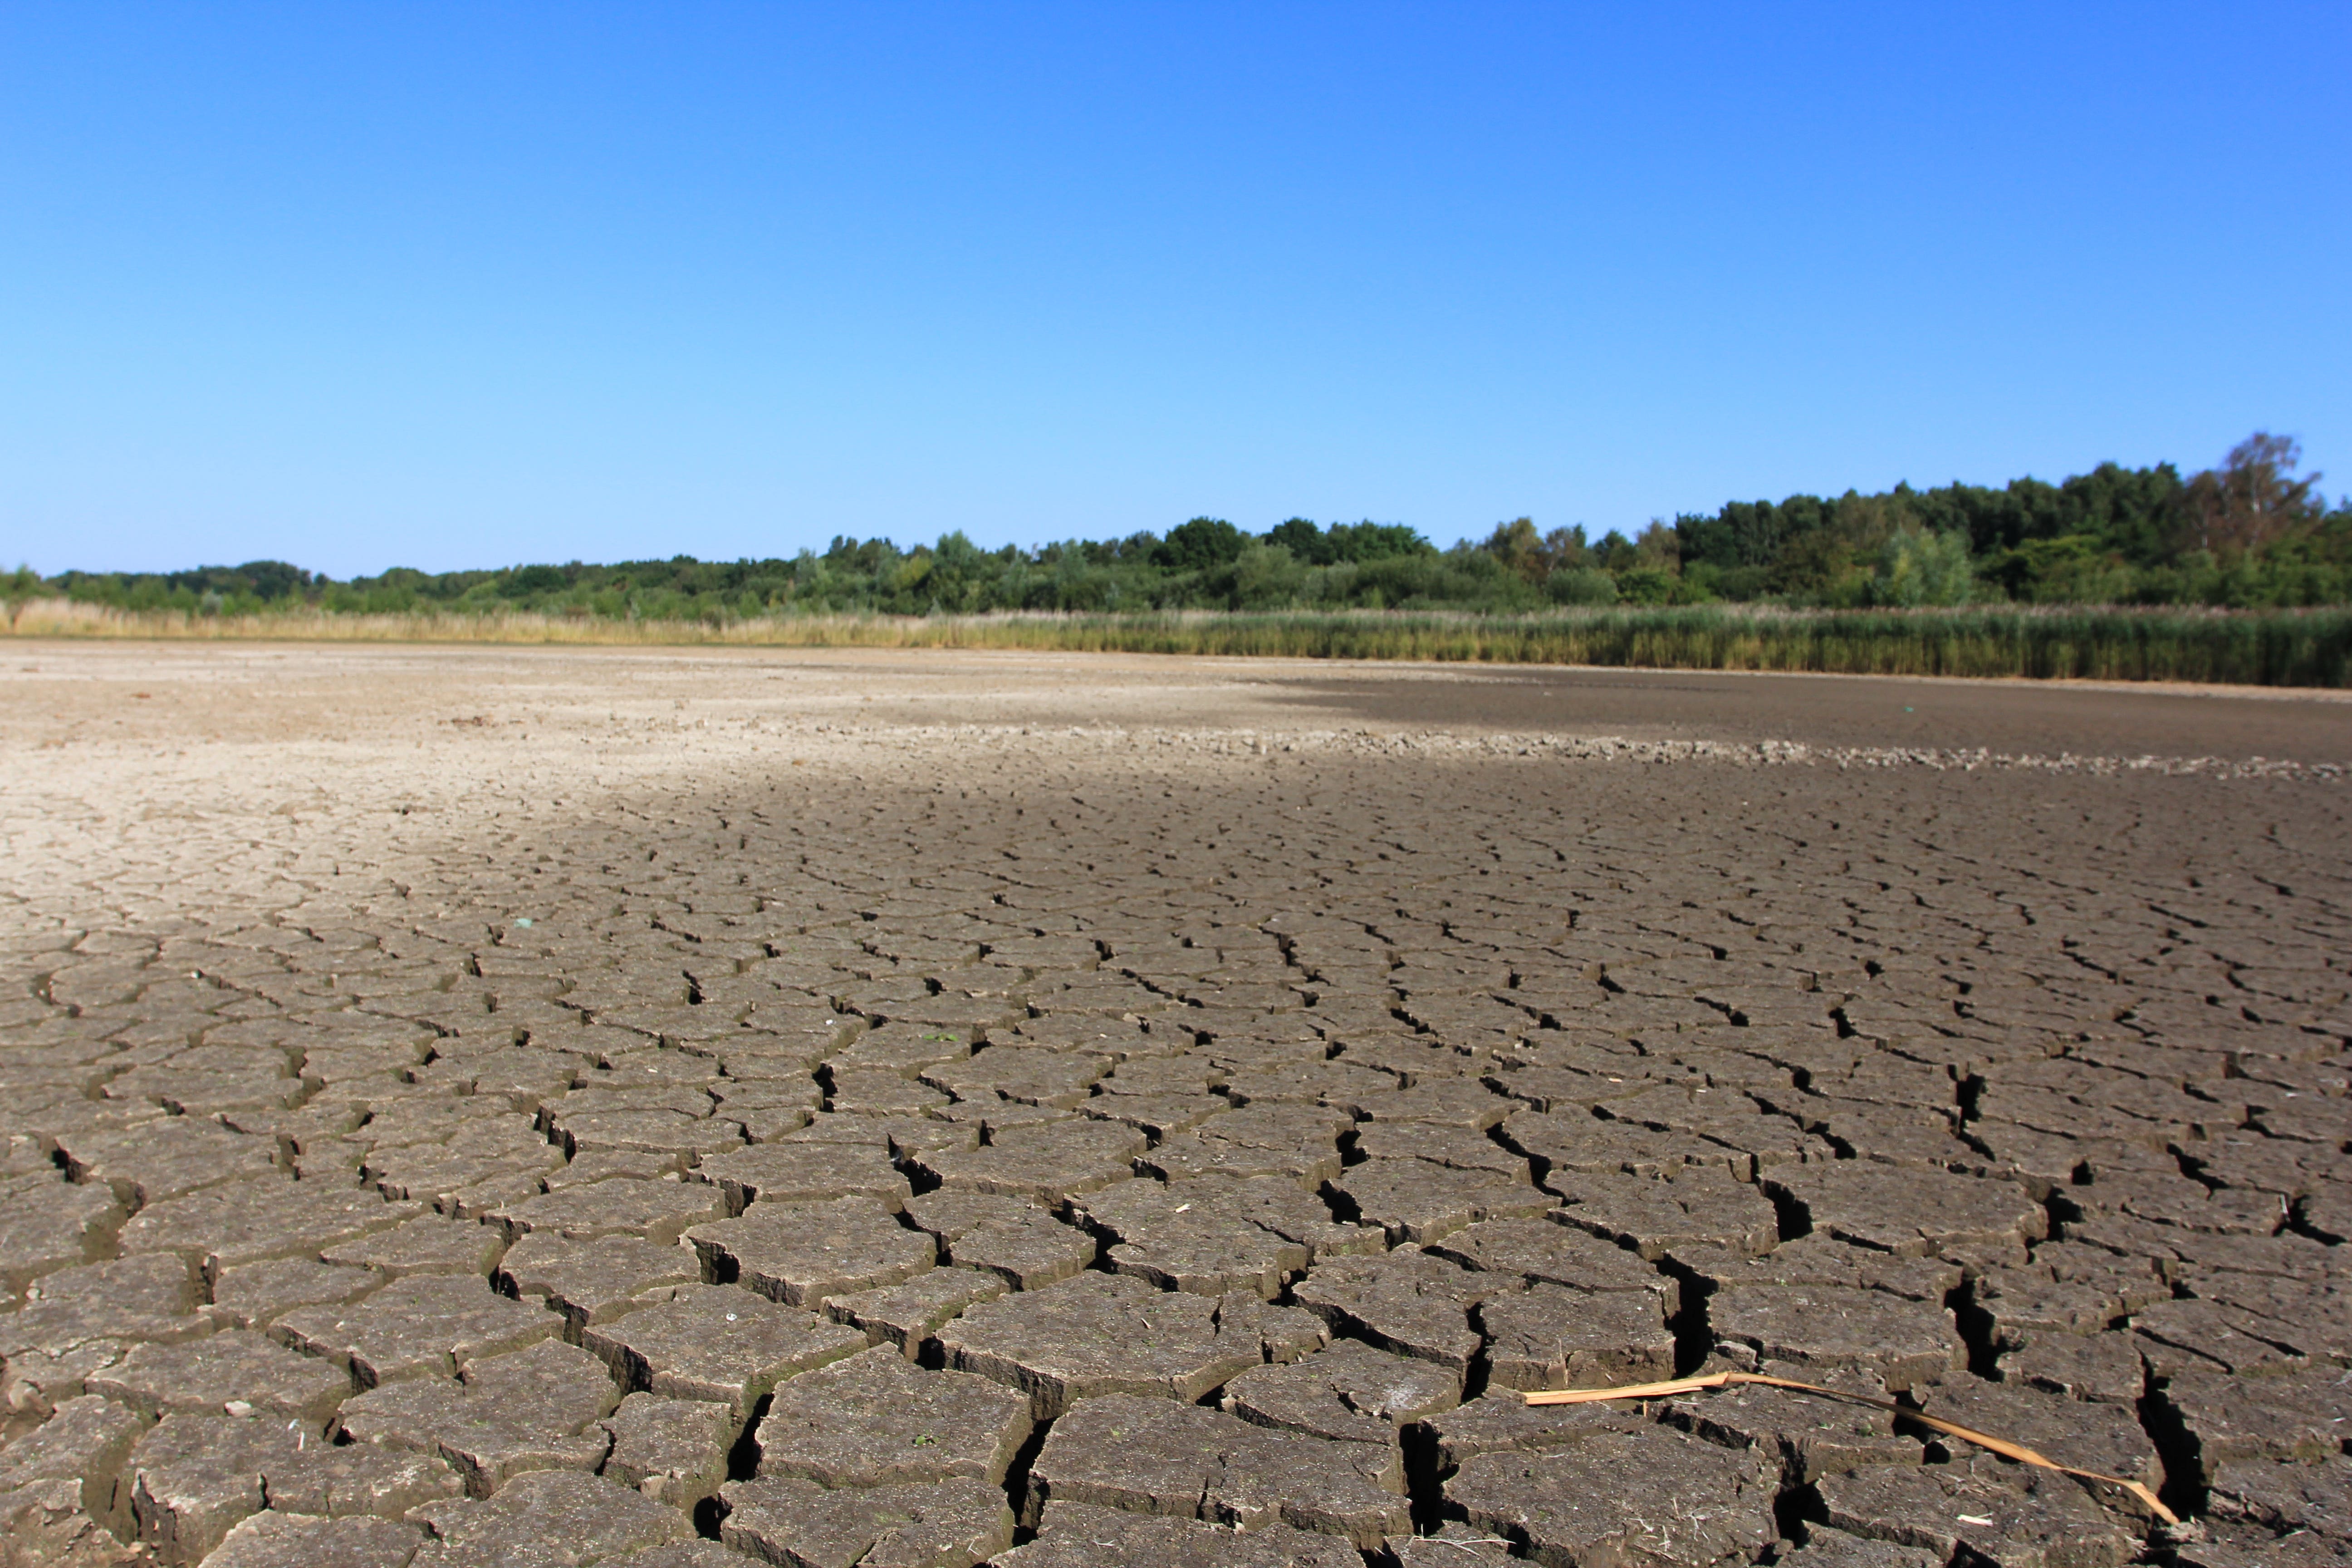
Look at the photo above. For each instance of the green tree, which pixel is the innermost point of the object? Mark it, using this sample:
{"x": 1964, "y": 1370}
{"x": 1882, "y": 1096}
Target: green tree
{"x": 1199, "y": 545}
{"x": 1304, "y": 540}
{"x": 1534, "y": 556}
{"x": 1810, "y": 562}
{"x": 1918, "y": 567}
{"x": 1659, "y": 549}
{"x": 2254, "y": 499}
{"x": 18, "y": 587}
{"x": 1519, "y": 548}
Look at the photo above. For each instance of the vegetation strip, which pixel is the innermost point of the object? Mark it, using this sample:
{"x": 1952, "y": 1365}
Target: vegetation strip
{"x": 2272, "y": 647}
{"x": 2253, "y": 533}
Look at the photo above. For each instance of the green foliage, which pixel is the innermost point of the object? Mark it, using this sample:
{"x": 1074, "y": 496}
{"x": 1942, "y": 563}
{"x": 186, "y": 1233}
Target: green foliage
{"x": 2302, "y": 647}
{"x": 1585, "y": 585}
{"x": 1344, "y": 542}
{"x": 1199, "y": 545}
{"x": 2251, "y": 534}
{"x": 1916, "y": 567}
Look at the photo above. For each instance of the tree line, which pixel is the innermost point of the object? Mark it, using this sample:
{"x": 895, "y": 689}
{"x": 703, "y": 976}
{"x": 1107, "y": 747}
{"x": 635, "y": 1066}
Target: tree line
{"x": 2252, "y": 532}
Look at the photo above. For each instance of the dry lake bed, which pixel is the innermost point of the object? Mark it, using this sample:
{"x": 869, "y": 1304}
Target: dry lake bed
{"x": 476, "y": 1105}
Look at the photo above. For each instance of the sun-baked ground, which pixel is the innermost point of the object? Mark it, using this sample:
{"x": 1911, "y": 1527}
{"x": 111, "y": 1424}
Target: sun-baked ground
{"x": 589, "y": 1106}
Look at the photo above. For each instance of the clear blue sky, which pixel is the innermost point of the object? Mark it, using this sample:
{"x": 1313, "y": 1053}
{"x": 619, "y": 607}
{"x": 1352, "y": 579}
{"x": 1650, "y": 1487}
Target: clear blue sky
{"x": 364, "y": 285}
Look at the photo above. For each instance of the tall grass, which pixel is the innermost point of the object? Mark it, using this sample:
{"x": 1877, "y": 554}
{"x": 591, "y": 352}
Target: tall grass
{"x": 2262, "y": 647}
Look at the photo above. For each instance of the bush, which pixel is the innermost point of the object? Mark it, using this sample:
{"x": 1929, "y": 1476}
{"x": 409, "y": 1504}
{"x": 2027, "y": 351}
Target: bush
{"x": 1581, "y": 585}
{"x": 1916, "y": 567}
{"x": 1200, "y": 545}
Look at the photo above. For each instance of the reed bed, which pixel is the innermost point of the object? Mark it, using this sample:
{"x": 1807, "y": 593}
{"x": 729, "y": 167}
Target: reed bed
{"x": 2252, "y": 647}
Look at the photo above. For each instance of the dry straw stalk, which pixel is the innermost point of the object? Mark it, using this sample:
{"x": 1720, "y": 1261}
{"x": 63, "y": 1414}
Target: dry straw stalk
{"x": 2001, "y": 1446}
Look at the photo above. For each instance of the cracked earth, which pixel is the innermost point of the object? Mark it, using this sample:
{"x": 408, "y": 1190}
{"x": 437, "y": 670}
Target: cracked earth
{"x": 569, "y": 1106}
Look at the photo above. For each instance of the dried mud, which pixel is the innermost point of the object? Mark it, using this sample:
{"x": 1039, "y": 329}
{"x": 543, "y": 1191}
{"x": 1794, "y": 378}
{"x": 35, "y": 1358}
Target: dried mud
{"x": 594, "y": 1105}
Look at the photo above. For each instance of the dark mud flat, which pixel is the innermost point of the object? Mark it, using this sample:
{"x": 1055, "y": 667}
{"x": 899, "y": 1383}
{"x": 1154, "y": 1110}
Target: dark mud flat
{"x": 1849, "y": 711}
{"x": 944, "y": 1111}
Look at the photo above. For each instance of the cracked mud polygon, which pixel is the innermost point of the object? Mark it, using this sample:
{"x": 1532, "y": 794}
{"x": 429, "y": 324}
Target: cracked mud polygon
{"x": 595, "y": 1107}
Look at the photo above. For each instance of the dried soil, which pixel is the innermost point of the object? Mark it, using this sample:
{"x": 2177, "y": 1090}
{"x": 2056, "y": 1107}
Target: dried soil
{"x": 467, "y": 1101}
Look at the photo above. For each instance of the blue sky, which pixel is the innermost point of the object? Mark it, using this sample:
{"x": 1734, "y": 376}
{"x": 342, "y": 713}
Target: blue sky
{"x": 358, "y": 286}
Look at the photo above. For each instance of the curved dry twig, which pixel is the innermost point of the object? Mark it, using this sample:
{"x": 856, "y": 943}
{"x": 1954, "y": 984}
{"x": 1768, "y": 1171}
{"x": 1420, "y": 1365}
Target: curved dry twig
{"x": 2001, "y": 1446}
